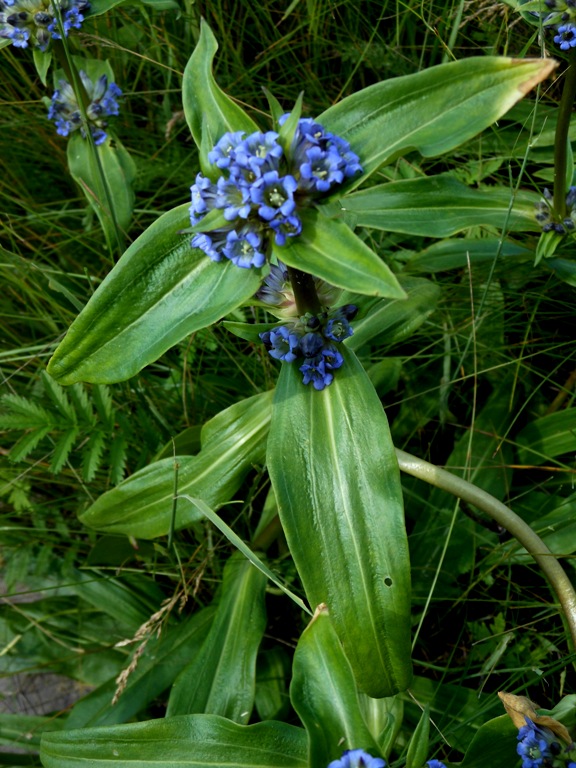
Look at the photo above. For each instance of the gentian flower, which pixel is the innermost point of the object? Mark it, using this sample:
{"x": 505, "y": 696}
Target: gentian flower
{"x": 306, "y": 337}
{"x": 435, "y": 764}
{"x": 33, "y": 22}
{"x": 262, "y": 188}
{"x": 537, "y": 745}
{"x": 244, "y": 248}
{"x": 357, "y": 758}
{"x": 65, "y": 112}
{"x": 566, "y": 37}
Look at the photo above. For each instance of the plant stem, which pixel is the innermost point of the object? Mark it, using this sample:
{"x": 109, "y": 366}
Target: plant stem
{"x": 304, "y": 292}
{"x": 509, "y": 520}
{"x": 561, "y": 137}
{"x": 71, "y": 74}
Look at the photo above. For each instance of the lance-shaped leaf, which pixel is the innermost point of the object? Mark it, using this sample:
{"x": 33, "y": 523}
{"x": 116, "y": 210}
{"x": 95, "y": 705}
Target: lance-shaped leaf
{"x": 328, "y": 248}
{"x": 336, "y": 479}
{"x": 221, "y": 678}
{"x": 210, "y": 113}
{"x": 323, "y": 693}
{"x": 188, "y": 741}
{"x": 431, "y": 111}
{"x": 440, "y": 206}
{"x": 159, "y": 292}
{"x": 106, "y": 175}
{"x": 394, "y": 320}
{"x": 157, "y": 668}
{"x": 142, "y": 506}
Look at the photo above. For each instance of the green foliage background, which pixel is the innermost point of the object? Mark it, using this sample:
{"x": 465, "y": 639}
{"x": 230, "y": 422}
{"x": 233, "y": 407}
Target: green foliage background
{"x": 476, "y": 372}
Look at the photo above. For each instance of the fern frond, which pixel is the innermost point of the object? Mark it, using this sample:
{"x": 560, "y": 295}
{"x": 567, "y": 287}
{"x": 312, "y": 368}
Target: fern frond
{"x": 103, "y": 403}
{"x": 118, "y": 457}
{"x": 59, "y": 397}
{"x": 24, "y": 414}
{"x": 16, "y": 488}
{"x": 81, "y": 402}
{"x": 92, "y": 455}
{"x": 28, "y": 442}
{"x": 63, "y": 449}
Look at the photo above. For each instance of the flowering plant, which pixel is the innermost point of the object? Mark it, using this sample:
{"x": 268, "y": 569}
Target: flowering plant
{"x": 272, "y": 223}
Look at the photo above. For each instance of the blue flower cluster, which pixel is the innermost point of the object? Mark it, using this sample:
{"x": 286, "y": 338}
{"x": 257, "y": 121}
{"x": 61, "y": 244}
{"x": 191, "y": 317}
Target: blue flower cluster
{"x": 539, "y": 747}
{"x": 65, "y": 112}
{"x": 34, "y": 22}
{"x": 544, "y": 213}
{"x": 262, "y": 188}
{"x": 312, "y": 338}
{"x": 562, "y": 20}
{"x": 357, "y": 758}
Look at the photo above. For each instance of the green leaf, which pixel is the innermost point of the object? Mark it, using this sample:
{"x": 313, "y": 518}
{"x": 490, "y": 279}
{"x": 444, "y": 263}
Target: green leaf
{"x": 327, "y": 248}
{"x": 564, "y": 269}
{"x": 432, "y": 111}
{"x": 493, "y": 745}
{"x": 157, "y": 668}
{"x": 440, "y": 206}
{"x": 208, "y": 110}
{"x": 251, "y": 556}
{"x": 106, "y": 176}
{"x": 160, "y": 291}
{"x": 547, "y": 437}
{"x": 323, "y": 693}
{"x": 59, "y": 397}
{"x": 63, "y": 448}
{"x": 336, "y": 480}
{"x": 271, "y": 695}
{"x": 459, "y": 252}
{"x": 23, "y": 731}
{"x": 28, "y": 442}
{"x": 221, "y": 678}
{"x": 192, "y": 741}
{"x": 247, "y": 331}
{"x": 42, "y": 61}
{"x": 394, "y": 320}
{"x": 142, "y": 506}
{"x": 99, "y": 7}
{"x": 418, "y": 746}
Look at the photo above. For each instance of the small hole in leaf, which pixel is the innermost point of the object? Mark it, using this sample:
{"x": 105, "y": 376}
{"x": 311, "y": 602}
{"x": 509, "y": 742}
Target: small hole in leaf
{"x": 388, "y": 581}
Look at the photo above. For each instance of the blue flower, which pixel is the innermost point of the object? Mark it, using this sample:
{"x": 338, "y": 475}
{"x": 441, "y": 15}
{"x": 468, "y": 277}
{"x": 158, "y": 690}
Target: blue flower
{"x": 311, "y": 344}
{"x": 285, "y": 226}
{"x": 274, "y": 195}
{"x": 536, "y": 745}
{"x": 244, "y": 248}
{"x": 435, "y": 764}
{"x": 282, "y": 343}
{"x": 65, "y": 111}
{"x": 262, "y": 188}
{"x": 258, "y": 153}
{"x": 357, "y": 758}
{"x": 338, "y": 329}
{"x": 34, "y": 22}
{"x": 204, "y": 198}
{"x": 223, "y": 153}
{"x": 234, "y": 197}
{"x": 566, "y": 37}
{"x": 212, "y": 243}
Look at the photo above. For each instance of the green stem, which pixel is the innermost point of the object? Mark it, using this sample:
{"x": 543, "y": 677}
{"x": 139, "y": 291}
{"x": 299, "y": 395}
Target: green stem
{"x": 561, "y": 137}
{"x": 72, "y": 76}
{"x": 509, "y": 520}
{"x": 304, "y": 292}
{"x": 62, "y": 53}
